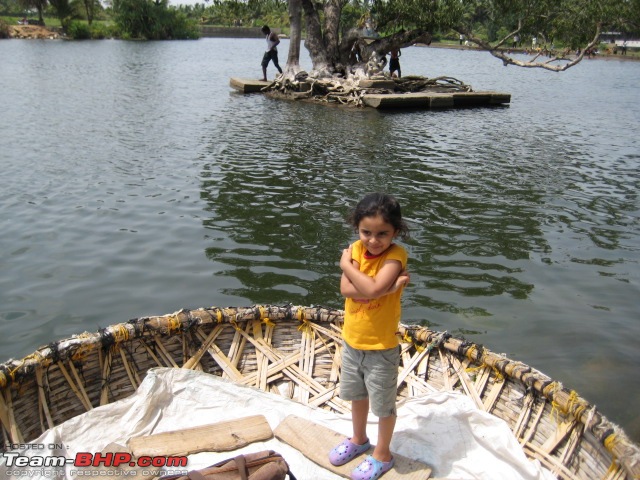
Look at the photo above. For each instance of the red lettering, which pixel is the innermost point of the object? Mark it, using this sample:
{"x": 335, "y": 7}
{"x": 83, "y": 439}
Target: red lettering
{"x": 86, "y": 459}
{"x": 83, "y": 459}
{"x": 104, "y": 459}
{"x": 121, "y": 457}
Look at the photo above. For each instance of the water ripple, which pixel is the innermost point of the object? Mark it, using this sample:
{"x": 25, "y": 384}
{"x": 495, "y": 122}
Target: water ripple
{"x": 138, "y": 183}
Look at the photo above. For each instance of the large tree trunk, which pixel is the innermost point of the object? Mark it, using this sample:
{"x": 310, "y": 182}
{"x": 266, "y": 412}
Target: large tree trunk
{"x": 332, "y": 13}
{"x": 295, "y": 22}
{"x": 331, "y": 55}
{"x": 315, "y": 42}
{"x": 89, "y": 6}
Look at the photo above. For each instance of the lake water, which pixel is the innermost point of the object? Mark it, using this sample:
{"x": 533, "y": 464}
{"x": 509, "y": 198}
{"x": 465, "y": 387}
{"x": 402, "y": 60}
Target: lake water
{"x": 136, "y": 182}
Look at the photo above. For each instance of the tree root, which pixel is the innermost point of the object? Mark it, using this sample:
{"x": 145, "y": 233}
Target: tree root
{"x": 348, "y": 92}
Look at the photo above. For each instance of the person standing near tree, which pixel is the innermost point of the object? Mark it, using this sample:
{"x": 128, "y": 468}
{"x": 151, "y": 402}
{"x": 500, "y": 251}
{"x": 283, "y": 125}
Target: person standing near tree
{"x": 272, "y": 52}
{"x": 394, "y": 62}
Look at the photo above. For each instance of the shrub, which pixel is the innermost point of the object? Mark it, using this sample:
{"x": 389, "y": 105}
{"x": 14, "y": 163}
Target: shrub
{"x": 78, "y": 30}
{"x": 144, "y": 19}
{"x": 4, "y": 29}
{"x": 101, "y": 30}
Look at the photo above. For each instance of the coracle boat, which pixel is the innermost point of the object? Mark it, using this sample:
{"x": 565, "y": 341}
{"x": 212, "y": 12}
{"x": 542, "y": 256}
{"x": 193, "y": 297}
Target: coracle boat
{"x": 294, "y": 352}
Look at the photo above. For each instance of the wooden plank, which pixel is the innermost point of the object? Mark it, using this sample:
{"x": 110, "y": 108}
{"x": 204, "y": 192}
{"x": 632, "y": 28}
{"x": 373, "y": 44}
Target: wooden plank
{"x": 440, "y": 100}
{"x": 247, "y": 85}
{"x": 400, "y": 100}
{"x": 316, "y": 441}
{"x": 563, "y": 429}
{"x": 500, "y": 98}
{"x": 369, "y": 83}
{"x": 217, "y": 437}
{"x": 463, "y": 99}
{"x": 8, "y": 419}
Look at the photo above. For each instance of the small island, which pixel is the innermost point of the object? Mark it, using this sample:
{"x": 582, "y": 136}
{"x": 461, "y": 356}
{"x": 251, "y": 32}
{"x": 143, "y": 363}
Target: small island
{"x": 409, "y": 92}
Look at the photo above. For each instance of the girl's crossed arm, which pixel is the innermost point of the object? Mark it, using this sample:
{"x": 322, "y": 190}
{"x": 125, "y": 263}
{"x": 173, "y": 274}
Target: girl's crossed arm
{"x": 356, "y": 284}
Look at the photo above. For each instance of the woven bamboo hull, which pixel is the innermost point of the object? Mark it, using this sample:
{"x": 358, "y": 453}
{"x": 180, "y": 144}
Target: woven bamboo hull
{"x": 295, "y": 352}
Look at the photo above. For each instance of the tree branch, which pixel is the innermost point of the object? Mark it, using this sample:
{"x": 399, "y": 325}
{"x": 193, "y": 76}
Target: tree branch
{"x": 507, "y": 59}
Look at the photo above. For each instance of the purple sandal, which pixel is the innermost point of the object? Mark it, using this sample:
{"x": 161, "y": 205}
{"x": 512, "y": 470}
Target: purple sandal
{"x": 346, "y": 451}
{"x": 371, "y": 469}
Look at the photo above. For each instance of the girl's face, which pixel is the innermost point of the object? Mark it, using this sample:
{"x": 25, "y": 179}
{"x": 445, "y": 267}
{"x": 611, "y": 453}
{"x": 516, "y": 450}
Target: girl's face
{"x": 376, "y": 234}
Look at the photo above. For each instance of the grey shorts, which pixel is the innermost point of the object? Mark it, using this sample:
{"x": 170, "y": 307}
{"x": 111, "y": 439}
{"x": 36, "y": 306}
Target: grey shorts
{"x": 373, "y": 374}
{"x": 268, "y": 56}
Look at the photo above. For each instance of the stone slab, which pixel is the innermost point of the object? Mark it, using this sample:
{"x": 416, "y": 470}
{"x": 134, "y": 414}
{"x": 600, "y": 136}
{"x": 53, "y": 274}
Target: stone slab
{"x": 368, "y": 83}
{"x": 247, "y": 85}
{"x": 401, "y": 100}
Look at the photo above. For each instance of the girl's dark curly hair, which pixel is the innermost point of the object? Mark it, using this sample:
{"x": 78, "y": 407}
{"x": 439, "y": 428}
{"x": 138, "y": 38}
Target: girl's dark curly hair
{"x": 379, "y": 204}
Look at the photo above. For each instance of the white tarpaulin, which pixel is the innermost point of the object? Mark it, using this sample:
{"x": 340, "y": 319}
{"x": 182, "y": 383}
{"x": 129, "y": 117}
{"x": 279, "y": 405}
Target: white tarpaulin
{"x": 444, "y": 430}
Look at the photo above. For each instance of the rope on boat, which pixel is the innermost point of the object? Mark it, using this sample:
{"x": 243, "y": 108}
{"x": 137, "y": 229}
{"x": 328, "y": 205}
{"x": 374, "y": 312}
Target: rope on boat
{"x": 151, "y": 334}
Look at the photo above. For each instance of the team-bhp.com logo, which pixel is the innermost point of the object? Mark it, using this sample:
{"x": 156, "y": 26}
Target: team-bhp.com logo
{"x": 19, "y": 465}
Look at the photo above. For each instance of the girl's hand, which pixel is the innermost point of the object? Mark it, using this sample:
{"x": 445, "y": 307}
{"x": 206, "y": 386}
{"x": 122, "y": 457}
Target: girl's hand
{"x": 345, "y": 260}
{"x": 402, "y": 280}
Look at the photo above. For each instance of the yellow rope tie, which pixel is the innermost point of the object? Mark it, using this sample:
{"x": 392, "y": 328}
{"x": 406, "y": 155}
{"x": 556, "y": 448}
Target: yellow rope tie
{"x": 551, "y": 388}
{"x": 610, "y": 441}
{"x": 267, "y": 321}
{"x": 81, "y": 352}
{"x": 235, "y": 325}
{"x": 120, "y": 333}
{"x": 575, "y": 406}
{"x": 35, "y": 355}
{"x": 577, "y": 413}
{"x": 174, "y": 323}
{"x": 609, "y": 444}
{"x": 470, "y": 351}
{"x": 306, "y": 327}
{"x": 264, "y": 316}
{"x": 407, "y": 338}
{"x": 555, "y": 410}
{"x": 219, "y": 317}
{"x": 474, "y": 369}
{"x": 499, "y": 375}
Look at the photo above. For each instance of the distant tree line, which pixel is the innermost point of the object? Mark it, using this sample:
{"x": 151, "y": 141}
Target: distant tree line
{"x": 126, "y": 19}
{"x": 566, "y": 23}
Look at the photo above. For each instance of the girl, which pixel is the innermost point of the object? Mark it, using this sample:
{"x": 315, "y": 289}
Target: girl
{"x": 373, "y": 277}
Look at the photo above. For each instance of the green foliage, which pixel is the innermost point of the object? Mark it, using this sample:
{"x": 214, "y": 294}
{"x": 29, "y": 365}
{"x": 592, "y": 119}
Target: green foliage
{"x": 77, "y": 30}
{"x": 250, "y": 14}
{"x": 100, "y": 30}
{"x": 352, "y": 17}
{"x": 38, "y": 5}
{"x": 430, "y": 15}
{"x": 4, "y": 29}
{"x": 570, "y": 22}
{"x": 152, "y": 20}
{"x": 63, "y": 11}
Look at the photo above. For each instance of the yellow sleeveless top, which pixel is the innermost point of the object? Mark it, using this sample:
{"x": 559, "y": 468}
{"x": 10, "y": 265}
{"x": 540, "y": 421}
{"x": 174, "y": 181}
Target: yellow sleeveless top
{"x": 372, "y": 324}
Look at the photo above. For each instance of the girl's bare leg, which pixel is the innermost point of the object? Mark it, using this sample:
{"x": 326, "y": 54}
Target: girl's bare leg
{"x": 359, "y": 414}
{"x": 386, "y": 426}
